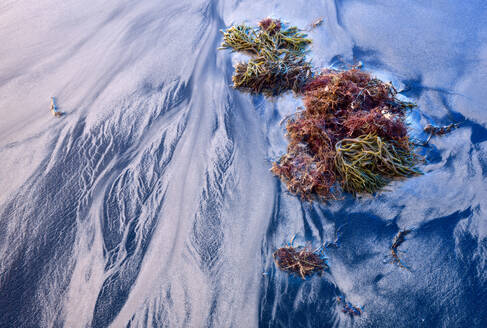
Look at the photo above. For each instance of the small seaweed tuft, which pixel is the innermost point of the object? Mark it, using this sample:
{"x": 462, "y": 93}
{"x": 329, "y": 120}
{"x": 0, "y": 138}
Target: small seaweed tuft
{"x": 278, "y": 62}
{"x": 301, "y": 260}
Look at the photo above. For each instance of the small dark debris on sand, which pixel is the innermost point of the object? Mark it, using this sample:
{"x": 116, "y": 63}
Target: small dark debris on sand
{"x": 317, "y": 22}
{"x": 438, "y": 130}
{"x": 398, "y": 240}
{"x": 348, "y": 307}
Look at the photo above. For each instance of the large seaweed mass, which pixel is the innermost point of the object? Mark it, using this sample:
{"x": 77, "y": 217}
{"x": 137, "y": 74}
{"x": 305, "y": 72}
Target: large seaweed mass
{"x": 351, "y": 135}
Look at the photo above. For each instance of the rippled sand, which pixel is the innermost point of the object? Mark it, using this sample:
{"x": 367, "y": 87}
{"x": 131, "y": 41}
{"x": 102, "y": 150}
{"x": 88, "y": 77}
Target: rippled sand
{"x": 150, "y": 202}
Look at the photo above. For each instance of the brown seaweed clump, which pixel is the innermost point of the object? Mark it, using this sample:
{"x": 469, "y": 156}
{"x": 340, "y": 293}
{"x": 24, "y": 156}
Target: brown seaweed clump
{"x": 301, "y": 261}
{"x": 350, "y": 136}
{"x": 278, "y": 62}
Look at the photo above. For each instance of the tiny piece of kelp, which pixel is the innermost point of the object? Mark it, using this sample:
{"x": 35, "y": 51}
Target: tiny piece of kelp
{"x": 398, "y": 240}
{"x": 438, "y": 130}
{"x": 54, "y": 109}
{"x": 348, "y": 307}
{"x": 301, "y": 260}
{"x": 317, "y": 22}
{"x": 278, "y": 62}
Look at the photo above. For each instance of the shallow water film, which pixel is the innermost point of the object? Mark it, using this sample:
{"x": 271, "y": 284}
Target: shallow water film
{"x": 149, "y": 203}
